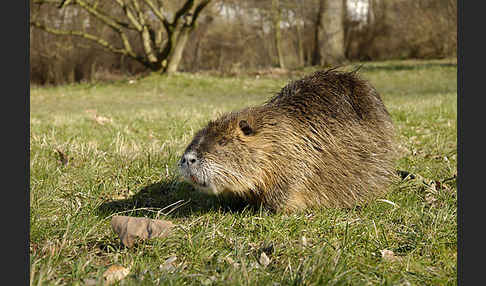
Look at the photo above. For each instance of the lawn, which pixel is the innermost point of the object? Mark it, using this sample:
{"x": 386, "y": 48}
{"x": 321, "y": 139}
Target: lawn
{"x": 104, "y": 149}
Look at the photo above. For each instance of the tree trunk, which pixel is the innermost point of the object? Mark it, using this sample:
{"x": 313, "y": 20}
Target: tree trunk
{"x": 300, "y": 45}
{"x": 197, "y": 55}
{"x": 300, "y": 25}
{"x": 316, "y": 57}
{"x": 276, "y": 29}
{"x": 330, "y": 32}
{"x": 266, "y": 46}
{"x": 176, "y": 56}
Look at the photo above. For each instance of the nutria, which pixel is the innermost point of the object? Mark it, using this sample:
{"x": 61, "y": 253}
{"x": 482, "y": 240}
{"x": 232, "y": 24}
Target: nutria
{"x": 323, "y": 141}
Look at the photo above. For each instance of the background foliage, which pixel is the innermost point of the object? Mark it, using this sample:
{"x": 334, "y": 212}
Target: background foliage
{"x": 238, "y": 35}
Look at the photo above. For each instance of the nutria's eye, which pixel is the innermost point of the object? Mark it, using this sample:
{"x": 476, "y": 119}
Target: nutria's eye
{"x": 245, "y": 127}
{"x": 222, "y": 141}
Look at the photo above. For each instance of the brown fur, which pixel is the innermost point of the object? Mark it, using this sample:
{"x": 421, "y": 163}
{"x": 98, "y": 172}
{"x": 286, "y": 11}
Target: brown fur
{"x": 325, "y": 140}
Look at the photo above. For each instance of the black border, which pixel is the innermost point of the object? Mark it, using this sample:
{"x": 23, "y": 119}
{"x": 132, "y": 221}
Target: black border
{"x": 26, "y": 105}
{"x": 460, "y": 185}
{"x": 15, "y": 207}
{"x": 470, "y": 164}
{"x": 14, "y": 25}
{"x": 22, "y": 72}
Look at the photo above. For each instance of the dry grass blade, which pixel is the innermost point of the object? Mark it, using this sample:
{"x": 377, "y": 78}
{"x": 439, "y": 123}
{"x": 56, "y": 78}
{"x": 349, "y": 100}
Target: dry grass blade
{"x": 264, "y": 260}
{"x": 389, "y": 256}
{"x": 169, "y": 264}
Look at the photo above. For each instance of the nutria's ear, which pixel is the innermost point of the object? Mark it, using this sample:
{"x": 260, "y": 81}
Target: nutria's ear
{"x": 245, "y": 127}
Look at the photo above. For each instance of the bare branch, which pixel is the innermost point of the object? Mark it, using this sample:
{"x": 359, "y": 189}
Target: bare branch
{"x": 141, "y": 16}
{"x": 95, "y": 12}
{"x": 64, "y": 3}
{"x": 157, "y": 52}
{"x": 82, "y": 34}
{"x": 130, "y": 15}
{"x": 145, "y": 33}
{"x": 198, "y": 10}
{"x": 158, "y": 13}
{"x": 182, "y": 11}
{"x": 112, "y": 23}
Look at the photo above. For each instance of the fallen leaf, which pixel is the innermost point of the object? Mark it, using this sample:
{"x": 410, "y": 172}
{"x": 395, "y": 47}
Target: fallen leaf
{"x": 430, "y": 199}
{"x": 209, "y": 281}
{"x": 389, "y": 255}
{"x": 115, "y": 273}
{"x": 232, "y": 262}
{"x": 403, "y": 150}
{"x": 169, "y": 264}
{"x": 304, "y": 241}
{"x": 98, "y": 118}
{"x": 102, "y": 120}
{"x": 404, "y": 282}
{"x": 267, "y": 248}
{"x": 131, "y": 228}
{"x": 62, "y": 157}
{"x": 90, "y": 282}
{"x": 436, "y": 185}
{"x": 264, "y": 260}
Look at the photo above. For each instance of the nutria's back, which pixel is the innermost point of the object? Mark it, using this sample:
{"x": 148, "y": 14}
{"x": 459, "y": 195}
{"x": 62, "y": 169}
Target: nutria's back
{"x": 340, "y": 95}
{"x": 325, "y": 140}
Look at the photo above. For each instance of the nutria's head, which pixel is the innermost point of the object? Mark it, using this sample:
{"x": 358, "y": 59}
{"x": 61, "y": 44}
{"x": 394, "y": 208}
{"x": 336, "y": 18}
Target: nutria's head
{"x": 224, "y": 156}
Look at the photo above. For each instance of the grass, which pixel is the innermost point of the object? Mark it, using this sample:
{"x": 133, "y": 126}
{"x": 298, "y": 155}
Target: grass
{"x": 97, "y": 150}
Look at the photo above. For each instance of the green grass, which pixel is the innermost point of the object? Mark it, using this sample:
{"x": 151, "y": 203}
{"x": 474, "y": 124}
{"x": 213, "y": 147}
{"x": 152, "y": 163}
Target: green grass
{"x": 123, "y": 161}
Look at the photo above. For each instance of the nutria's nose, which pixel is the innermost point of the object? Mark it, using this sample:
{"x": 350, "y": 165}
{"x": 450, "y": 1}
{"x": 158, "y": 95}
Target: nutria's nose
{"x": 189, "y": 159}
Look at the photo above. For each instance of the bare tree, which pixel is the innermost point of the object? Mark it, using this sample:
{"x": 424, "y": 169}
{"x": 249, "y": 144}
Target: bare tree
{"x": 276, "y": 18}
{"x": 329, "y": 45}
{"x": 299, "y": 23}
{"x": 147, "y": 18}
